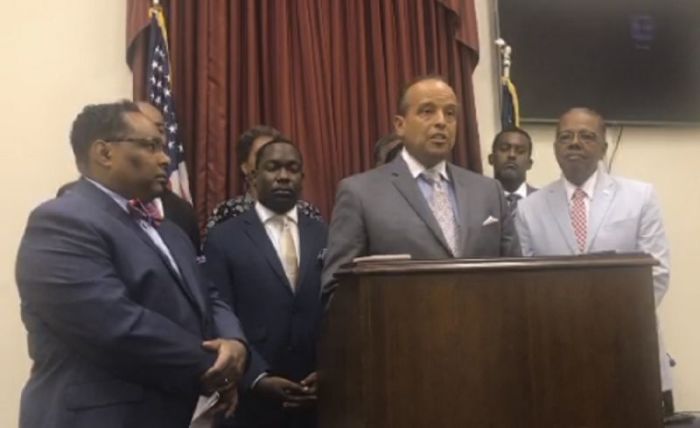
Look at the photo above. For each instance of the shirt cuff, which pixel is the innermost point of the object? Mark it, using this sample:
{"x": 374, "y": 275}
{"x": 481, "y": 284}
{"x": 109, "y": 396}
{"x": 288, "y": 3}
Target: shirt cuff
{"x": 257, "y": 379}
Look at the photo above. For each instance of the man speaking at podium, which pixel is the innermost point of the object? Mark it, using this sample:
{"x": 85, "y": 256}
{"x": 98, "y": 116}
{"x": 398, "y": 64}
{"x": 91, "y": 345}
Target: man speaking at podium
{"x": 420, "y": 204}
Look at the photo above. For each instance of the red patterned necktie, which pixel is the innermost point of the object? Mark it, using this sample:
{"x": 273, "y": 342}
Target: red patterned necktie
{"x": 578, "y": 218}
{"x": 145, "y": 211}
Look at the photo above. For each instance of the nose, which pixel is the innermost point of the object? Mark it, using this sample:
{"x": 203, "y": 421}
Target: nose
{"x": 283, "y": 175}
{"x": 440, "y": 121}
{"x": 511, "y": 154}
{"x": 163, "y": 159}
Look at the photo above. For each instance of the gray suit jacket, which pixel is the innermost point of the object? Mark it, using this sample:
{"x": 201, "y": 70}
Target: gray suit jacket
{"x": 624, "y": 216}
{"x": 382, "y": 211}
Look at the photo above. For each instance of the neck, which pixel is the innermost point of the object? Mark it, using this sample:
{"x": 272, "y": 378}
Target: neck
{"x": 511, "y": 186}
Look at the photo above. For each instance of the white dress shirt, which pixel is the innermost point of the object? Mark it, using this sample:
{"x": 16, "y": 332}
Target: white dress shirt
{"x": 274, "y": 227}
{"x": 520, "y": 191}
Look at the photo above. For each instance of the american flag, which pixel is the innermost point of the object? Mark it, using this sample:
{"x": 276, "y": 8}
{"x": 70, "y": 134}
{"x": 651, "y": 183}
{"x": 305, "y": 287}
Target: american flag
{"x": 159, "y": 91}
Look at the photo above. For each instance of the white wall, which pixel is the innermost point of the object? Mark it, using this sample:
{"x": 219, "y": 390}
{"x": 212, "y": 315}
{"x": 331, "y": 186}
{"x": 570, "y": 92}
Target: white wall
{"x": 664, "y": 156}
{"x": 57, "y": 56}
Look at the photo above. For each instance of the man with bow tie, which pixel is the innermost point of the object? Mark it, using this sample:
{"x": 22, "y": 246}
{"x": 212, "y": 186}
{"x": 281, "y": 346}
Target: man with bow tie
{"x": 123, "y": 329}
{"x": 267, "y": 264}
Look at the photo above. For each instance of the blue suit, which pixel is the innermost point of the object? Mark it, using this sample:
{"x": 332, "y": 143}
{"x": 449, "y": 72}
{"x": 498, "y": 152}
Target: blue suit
{"x": 114, "y": 331}
{"x": 281, "y": 325}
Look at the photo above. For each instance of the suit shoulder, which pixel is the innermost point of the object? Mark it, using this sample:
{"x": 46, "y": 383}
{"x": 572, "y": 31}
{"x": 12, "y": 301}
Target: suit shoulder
{"x": 632, "y": 184}
{"x": 67, "y": 206}
{"x": 474, "y": 177}
{"x": 364, "y": 178}
{"x": 230, "y": 225}
{"x": 536, "y": 199}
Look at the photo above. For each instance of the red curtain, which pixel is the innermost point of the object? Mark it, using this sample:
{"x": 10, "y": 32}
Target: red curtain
{"x": 327, "y": 73}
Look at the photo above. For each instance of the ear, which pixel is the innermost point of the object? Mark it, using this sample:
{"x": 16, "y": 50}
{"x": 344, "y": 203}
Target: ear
{"x": 529, "y": 164}
{"x": 605, "y": 148}
{"x": 398, "y": 125}
{"x": 102, "y": 153}
{"x": 244, "y": 168}
{"x": 490, "y": 158}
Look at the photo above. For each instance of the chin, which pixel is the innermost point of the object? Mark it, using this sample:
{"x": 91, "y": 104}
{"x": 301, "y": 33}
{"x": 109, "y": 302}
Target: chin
{"x": 280, "y": 206}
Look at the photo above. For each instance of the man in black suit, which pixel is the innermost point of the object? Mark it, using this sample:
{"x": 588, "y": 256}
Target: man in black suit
{"x": 123, "y": 328}
{"x": 511, "y": 158}
{"x": 267, "y": 264}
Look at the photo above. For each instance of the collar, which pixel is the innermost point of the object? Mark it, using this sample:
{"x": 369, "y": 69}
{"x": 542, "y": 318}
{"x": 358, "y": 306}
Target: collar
{"x": 265, "y": 214}
{"x": 520, "y": 191}
{"x": 416, "y": 168}
{"x": 588, "y": 186}
{"x": 119, "y": 199}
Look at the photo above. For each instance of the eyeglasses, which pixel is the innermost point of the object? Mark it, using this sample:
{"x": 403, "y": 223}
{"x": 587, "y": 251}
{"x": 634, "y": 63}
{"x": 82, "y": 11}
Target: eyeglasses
{"x": 586, "y": 137}
{"x": 152, "y": 145}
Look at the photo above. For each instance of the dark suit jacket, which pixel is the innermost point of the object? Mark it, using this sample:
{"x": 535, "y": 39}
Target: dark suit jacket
{"x": 180, "y": 212}
{"x": 382, "y": 211}
{"x": 114, "y": 332}
{"x": 282, "y": 326}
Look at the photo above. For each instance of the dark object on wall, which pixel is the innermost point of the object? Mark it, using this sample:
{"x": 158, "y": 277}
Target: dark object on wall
{"x": 632, "y": 60}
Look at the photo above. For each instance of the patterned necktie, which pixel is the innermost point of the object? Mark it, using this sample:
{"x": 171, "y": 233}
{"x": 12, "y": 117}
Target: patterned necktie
{"x": 288, "y": 252}
{"x": 441, "y": 207}
{"x": 512, "y": 200}
{"x": 148, "y": 212}
{"x": 578, "y": 218}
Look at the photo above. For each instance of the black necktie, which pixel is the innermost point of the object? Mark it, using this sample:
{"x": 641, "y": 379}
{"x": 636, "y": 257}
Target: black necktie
{"x": 512, "y": 199}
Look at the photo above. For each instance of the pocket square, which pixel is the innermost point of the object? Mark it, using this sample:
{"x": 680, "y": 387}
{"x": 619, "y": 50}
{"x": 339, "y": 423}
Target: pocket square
{"x": 490, "y": 220}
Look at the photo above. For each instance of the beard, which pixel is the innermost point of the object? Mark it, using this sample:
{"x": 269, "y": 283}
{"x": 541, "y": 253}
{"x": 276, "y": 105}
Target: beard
{"x": 280, "y": 204}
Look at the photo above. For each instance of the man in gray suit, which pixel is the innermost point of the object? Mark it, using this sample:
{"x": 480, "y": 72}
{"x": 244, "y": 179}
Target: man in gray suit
{"x": 588, "y": 211}
{"x": 420, "y": 204}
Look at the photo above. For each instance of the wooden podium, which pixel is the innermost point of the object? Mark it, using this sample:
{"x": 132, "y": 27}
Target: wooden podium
{"x": 503, "y": 343}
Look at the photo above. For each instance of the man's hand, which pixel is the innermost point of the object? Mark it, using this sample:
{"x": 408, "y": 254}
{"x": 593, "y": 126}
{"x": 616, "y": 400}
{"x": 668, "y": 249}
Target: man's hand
{"x": 291, "y": 394}
{"x": 228, "y": 367}
{"x": 227, "y": 403}
{"x": 311, "y": 383}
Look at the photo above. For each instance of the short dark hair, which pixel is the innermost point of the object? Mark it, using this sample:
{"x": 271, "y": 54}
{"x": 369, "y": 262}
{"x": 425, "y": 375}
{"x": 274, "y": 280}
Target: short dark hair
{"x": 276, "y": 140}
{"x": 99, "y": 121}
{"x": 402, "y": 106}
{"x": 381, "y": 143}
{"x": 513, "y": 129}
{"x": 245, "y": 141}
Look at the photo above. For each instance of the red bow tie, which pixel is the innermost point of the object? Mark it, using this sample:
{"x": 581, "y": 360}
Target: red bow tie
{"x": 145, "y": 211}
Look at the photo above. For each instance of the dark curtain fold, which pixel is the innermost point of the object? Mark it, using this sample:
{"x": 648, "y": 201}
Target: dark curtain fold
{"x": 326, "y": 73}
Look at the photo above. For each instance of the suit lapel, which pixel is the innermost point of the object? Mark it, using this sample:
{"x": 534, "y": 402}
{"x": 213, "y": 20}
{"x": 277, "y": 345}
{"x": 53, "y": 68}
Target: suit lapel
{"x": 600, "y": 205}
{"x": 306, "y": 258}
{"x": 187, "y": 278}
{"x": 408, "y": 187}
{"x": 559, "y": 206}
{"x": 256, "y": 232}
{"x": 105, "y": 202}
{"x": 466, "y": 215}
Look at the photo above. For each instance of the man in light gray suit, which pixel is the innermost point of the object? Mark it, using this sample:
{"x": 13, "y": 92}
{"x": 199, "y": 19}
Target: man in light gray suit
{"x": 420, "y": 204}
{"x": 588, "y": 210}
